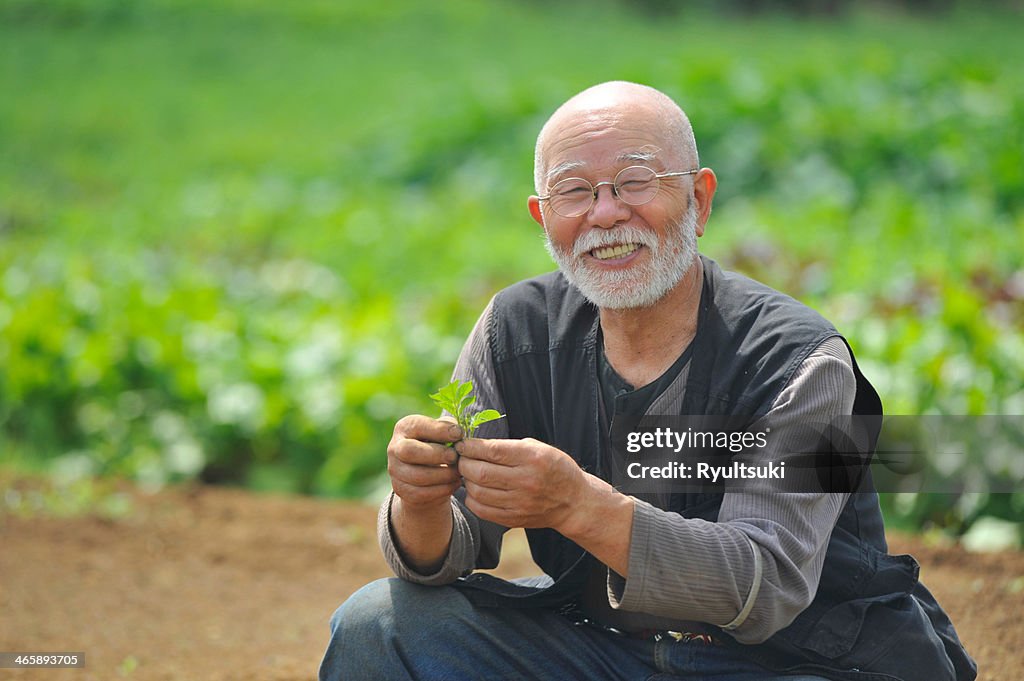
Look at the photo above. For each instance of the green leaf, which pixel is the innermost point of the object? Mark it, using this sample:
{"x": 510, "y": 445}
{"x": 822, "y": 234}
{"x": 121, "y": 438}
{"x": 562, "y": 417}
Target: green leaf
{"x": 456, "y": 398}
{"x": 449, "y": 393}
{"x": 448, "y": 398}
{"x": 485, "y": 416}
{"x": 440, "y": 400}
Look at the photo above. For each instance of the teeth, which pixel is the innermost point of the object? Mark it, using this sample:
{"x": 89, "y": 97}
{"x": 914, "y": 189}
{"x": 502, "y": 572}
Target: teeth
{"x": 614, "y": 251}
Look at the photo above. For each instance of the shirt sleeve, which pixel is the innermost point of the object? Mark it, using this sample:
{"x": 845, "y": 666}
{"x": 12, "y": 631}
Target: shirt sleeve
{"x": 755, "y": 569}
{"x": 475, "y": 543}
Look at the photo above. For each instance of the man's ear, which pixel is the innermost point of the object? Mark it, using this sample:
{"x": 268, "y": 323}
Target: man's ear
{"x": 704, "y": 185}
{"x": 533, "y": 203}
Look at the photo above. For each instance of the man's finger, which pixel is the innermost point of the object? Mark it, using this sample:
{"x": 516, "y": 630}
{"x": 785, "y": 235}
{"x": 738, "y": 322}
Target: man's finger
{"x": 486, "y": 474}
{"x": 422, "y": 476}
{"x": 495, "y": 514}
{"x": 426, "y": 429}
{"x": 421, "y": 453}
{"x": 498, "y": 498}
{"x": 501, "y": 452}
{"x": 423, "y": 495}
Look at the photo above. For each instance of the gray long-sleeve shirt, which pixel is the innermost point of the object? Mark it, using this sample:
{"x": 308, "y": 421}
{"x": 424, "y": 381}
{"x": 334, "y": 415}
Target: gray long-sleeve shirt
{"x": 751, "y": 572}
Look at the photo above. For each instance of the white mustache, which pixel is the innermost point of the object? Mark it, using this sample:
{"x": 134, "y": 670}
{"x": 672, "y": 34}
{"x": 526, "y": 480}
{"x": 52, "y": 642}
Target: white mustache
{"x": 599, "y": 238}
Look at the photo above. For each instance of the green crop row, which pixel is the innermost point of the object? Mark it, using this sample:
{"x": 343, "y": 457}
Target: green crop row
{"x": 239, "y": 239}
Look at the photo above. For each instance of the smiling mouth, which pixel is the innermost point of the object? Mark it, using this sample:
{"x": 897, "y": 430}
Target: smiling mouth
{"x": 610, "y": 252}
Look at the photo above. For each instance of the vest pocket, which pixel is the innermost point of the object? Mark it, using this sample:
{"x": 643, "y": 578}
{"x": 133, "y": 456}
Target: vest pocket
{"x": 883, "y": 627}
{"x": 894, "y": 634}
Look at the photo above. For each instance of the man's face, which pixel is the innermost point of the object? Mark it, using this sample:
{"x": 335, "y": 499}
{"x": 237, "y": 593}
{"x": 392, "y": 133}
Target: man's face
{"x": 637, "y": 279}
{"x": 618, "y": 255}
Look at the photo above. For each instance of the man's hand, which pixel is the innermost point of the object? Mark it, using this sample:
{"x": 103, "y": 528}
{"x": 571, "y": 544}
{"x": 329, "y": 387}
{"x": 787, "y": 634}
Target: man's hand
{"x": 520, "y": 483}
{"x": 526, "y": 483}
{"x": 421, "y": 466}
{"x": 424, "y": 477}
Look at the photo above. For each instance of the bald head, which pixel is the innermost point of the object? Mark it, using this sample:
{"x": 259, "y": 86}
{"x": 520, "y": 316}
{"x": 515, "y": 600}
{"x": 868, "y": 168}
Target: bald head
{"x": 616, "y": 102}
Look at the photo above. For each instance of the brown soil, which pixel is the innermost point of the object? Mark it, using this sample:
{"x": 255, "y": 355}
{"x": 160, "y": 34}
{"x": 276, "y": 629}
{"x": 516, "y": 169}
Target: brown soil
{"x": 205, "y": 583}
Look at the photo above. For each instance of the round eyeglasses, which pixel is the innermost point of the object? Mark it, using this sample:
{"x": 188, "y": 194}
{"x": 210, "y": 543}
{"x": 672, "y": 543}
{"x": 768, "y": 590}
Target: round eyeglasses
{"x": 635, "y": 185}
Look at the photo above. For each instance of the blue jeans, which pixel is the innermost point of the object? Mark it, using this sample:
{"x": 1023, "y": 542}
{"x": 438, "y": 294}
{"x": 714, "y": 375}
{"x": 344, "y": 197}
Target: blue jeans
{"x": 395, "y": 630}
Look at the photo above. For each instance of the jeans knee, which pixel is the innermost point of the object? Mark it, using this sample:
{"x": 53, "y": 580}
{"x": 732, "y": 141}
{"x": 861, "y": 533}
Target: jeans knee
{"x": 356, "y": 632}
{"x": 367, "y": 628}
{"x": 364, "y": 607}
{"x": 386, "y": 605}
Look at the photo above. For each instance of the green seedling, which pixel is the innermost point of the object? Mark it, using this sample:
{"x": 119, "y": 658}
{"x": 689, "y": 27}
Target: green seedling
{"x": 456, "y": 398}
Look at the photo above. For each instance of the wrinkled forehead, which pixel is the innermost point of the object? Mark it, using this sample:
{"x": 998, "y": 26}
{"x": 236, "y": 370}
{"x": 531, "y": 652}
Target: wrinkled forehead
{"x": 648, "y": 155}
{"x": 603, "y": 141}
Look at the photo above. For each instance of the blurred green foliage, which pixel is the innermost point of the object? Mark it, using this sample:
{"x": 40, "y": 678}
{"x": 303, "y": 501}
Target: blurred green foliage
{"x": 238, "y": 239}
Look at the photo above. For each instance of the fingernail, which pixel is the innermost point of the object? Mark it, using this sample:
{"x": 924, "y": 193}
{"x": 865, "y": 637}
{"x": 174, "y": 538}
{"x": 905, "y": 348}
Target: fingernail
{"x": 455, "y": 432}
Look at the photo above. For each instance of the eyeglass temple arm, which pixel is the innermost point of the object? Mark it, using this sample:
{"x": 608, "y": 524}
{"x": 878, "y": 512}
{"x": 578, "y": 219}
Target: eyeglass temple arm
{"x": 682, "y": 172}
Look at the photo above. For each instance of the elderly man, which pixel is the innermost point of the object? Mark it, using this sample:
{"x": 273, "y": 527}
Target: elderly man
{"x": 713, "y": 585}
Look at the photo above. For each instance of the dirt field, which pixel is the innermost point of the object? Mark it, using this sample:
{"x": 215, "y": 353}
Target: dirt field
{"x": 211, "y": 584}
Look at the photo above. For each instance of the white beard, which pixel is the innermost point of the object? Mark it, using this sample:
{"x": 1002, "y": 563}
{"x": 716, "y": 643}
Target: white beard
{"x": 640, "y": 285}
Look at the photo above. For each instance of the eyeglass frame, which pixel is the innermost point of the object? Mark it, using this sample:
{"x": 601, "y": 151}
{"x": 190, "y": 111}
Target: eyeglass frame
{"x": 615, "y": 188}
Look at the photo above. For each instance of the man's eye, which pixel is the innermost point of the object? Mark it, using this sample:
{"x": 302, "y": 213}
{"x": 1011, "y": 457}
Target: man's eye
{"x": 635, "y": 185}
{"x": 573, "y": 191}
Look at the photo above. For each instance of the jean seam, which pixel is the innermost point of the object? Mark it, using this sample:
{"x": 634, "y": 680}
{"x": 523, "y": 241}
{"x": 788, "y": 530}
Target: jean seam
{"x": 662, "y": 657}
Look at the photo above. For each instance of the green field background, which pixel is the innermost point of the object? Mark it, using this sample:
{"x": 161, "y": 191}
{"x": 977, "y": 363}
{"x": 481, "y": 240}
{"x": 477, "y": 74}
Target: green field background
{"x": 240, "y": 238}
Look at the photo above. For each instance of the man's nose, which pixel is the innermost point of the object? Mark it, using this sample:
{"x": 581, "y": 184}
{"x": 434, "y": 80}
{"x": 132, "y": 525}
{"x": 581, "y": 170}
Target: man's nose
{"x": 608, "y": 209}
